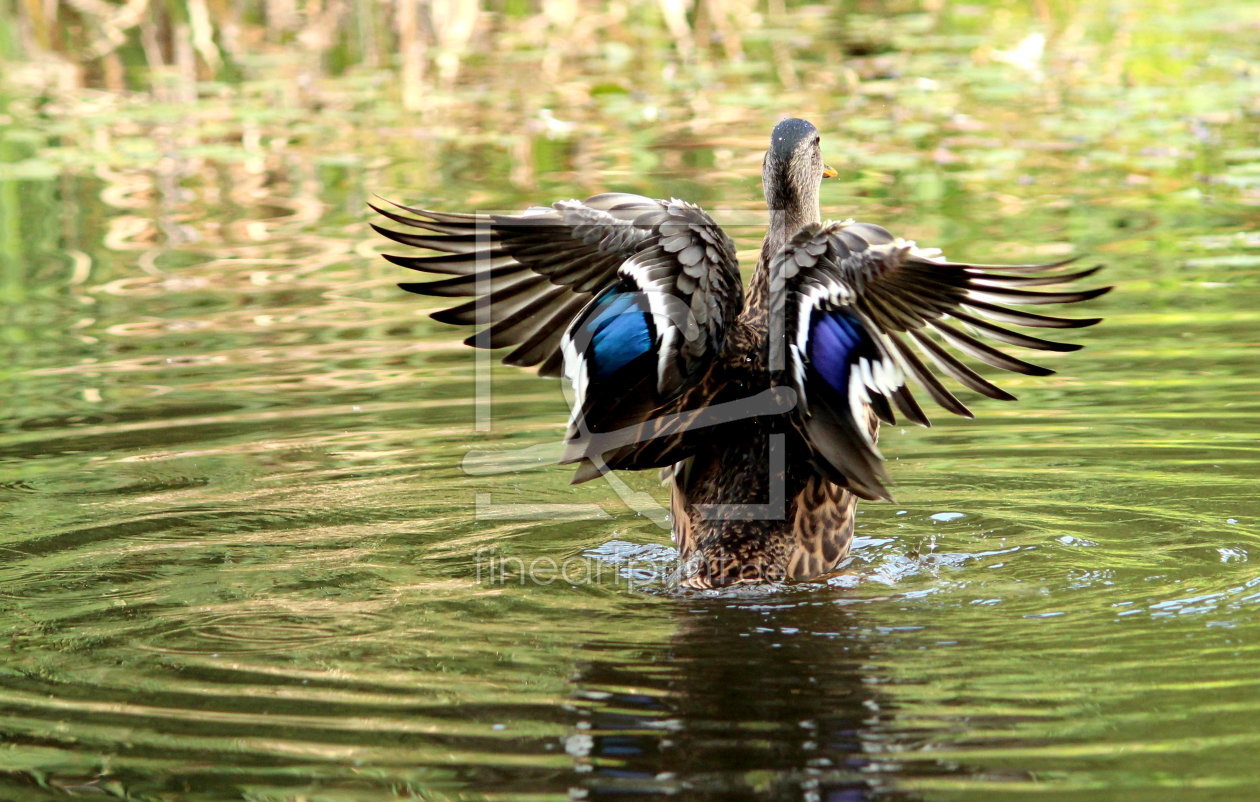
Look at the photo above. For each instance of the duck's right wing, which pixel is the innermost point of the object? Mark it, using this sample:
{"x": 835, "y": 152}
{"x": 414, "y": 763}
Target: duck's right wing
{"x": 856, "y": 306}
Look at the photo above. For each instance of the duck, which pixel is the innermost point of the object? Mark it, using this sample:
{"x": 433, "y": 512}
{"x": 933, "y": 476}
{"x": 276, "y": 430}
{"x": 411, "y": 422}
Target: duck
{"x": 760, "y": 406}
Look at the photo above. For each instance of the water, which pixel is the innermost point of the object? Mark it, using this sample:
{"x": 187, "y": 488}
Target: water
{"x": 242, "y": 554}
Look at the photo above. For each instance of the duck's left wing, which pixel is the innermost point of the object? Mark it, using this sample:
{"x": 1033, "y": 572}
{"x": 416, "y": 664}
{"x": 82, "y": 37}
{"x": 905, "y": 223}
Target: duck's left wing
{"x": 528, "y": 274}
{"x": 856, "y": 306}
{"x": 630, "y": 297}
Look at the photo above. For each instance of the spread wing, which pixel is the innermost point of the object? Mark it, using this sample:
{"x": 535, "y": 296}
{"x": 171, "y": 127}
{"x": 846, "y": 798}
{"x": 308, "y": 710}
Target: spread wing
{"x": 629, "y": 297}
{"x": 859, "y": 308}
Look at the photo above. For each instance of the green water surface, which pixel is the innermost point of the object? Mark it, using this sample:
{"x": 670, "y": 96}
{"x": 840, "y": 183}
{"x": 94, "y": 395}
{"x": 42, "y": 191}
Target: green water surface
{"x": 257, "y": 540}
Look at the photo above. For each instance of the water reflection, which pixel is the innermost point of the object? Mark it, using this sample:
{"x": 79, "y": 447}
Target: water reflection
{"x": 766, "y": 699}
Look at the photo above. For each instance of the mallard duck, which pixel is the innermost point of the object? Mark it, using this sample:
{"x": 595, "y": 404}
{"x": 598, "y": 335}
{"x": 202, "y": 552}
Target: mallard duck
{"x": 761, "y": 407}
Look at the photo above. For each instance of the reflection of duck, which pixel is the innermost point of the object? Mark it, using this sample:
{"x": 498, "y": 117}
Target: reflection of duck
{"x": 764, "y": 407}
{"x": 770, "y": 700}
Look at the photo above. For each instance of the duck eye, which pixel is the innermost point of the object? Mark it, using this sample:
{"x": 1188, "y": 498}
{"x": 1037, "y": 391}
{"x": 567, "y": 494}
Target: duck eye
{"x": 817, "y": 139}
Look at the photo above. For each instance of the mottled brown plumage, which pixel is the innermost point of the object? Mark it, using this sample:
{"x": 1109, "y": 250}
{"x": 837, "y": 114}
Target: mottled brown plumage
{"x": 763, "y": 410}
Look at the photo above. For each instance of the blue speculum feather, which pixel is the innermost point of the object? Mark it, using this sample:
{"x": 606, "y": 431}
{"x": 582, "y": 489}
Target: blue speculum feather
{"x": 619, "y": 332}
{"x": 833, "y": 340}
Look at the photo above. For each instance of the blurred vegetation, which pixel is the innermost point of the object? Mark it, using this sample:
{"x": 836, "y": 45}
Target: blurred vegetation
{"x": 919, "y": 96}
{"x": 173, "y": 49}
{"x": 894, "y": 78}
{"x": 168, "y": 48}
